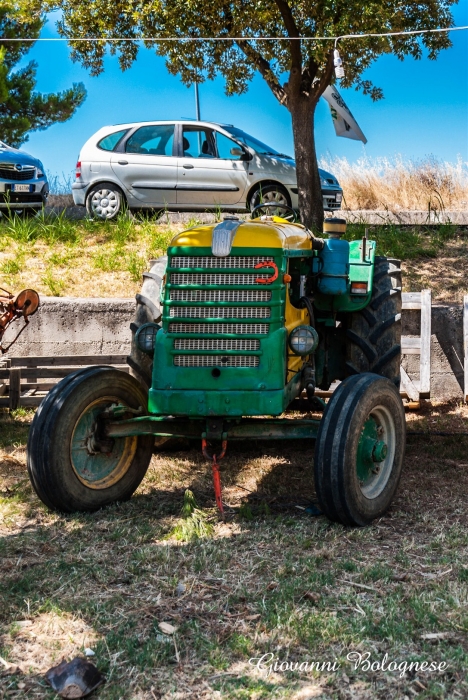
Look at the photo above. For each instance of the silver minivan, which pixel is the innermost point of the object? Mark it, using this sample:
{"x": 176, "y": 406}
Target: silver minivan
{"x": 185, "y": 166}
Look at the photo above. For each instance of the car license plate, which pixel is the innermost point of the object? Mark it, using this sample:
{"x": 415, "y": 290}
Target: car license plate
{"x": 339, "y": 196}
{"x": 22, "y": 188}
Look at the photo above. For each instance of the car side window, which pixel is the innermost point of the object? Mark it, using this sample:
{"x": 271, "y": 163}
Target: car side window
{"x": 225, "y": 146}
{"x": 108, "y": 143}
{"x": 198, "y": 142}
{"x": 156, "y": 140}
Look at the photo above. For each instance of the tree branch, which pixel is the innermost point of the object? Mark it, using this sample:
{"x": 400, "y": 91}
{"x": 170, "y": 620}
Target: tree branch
{"x": 264, "y": 68}
{"x": 326, "y": 78}
{"x": 291, "y": 28}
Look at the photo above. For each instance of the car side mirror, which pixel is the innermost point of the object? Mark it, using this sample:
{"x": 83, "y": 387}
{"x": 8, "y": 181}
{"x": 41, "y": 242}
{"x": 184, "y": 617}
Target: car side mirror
{"x": 237, "y": 152}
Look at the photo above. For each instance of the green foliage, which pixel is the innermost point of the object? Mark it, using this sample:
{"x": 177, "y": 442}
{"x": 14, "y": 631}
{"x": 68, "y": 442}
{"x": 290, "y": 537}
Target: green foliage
{"x": 21, "y": 109}
{"x": 297, "y": 71}
{"x": 194, "y": 522}
{"x": 54, "y": 284}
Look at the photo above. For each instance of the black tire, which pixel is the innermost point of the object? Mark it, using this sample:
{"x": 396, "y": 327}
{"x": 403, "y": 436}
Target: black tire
{"x": 55, "y": 475}
{"x": 148, "y": 310}
{"x": 269, "y": 193}
{"x": 344, "y": 449}
{"x": 109, "y": 193}
{"x": 373, "y": 335}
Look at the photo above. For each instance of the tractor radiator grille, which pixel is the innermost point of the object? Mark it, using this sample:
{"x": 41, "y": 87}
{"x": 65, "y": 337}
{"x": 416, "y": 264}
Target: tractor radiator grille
{"x": 217, "y": 295}
{"x": 190, "y": 278}
{"x": 220, "y": 328}
{"x": 216, "y": 361}
{"x": 216, "y": 344}
{"x": 216, "y": 278}
{"x": 227, "y": 263}
{"x": 220, "y": 312}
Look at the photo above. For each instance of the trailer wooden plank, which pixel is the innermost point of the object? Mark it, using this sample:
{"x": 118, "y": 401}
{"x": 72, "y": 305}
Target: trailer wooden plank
{"x": 410, "y": 346}
{"x": 68, "y": 360}
{"x": 47, "y": 372}
{"x": 14, "y": 388}
{"x": 411, "y": 300}
{"x": 407, "y": 386}
{"x": 465, "y": 345}
{"x": 425, "y": 363}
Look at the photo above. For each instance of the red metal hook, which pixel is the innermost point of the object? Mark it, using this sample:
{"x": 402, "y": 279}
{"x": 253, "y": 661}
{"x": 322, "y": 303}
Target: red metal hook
{"x": 215, "y": 467}
{"x": 267, "y": 280}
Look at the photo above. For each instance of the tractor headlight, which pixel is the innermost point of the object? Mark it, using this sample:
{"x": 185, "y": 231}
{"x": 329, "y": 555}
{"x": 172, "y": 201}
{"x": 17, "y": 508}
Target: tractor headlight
{"x": 303, "y": 340}
{"x": 146, "y": 337}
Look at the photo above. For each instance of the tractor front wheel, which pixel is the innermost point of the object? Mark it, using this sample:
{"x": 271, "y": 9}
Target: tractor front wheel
{"x": 71, "y": 463}
{"x": 360, "y": 449}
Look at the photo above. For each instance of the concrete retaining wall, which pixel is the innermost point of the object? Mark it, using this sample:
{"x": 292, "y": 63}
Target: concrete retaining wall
{"x": 59, "y": 203}
{"x": 71, "y": 326}
{"x": 67, "y": 326}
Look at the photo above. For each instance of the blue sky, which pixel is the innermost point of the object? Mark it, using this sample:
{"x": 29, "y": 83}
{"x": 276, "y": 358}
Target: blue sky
{"x": 425, "y": 110}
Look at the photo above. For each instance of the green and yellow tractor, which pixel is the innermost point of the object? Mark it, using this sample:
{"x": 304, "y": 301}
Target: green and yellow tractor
{"x": 239, "y": 321}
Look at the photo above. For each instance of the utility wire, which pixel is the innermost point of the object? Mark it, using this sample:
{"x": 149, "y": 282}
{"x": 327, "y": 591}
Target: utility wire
{"x": 336, "y": 39}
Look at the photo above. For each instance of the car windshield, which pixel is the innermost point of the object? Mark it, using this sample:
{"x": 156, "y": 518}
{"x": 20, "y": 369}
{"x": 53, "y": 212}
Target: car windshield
{"x": 253, "y": 143}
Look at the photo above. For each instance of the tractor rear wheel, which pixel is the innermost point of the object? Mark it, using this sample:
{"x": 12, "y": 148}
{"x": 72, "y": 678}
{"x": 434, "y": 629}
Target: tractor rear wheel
{"x": 373, "y": 335}
{"x": 360, "y": 449}
{"x": 148, "y": 310}
{"x": 72, "y": 466}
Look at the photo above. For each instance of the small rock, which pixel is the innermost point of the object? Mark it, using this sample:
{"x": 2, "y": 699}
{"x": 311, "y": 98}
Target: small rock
{"x": 21, "y": 685}
{"x": 166, "y": 628}
{"x": 89, "y": 652}
{"x": 181, "y": 588}
{"x": 23, "y": 623}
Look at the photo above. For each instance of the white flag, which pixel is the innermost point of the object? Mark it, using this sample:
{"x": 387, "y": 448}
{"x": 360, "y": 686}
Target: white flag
{"x": 343, "y": 121}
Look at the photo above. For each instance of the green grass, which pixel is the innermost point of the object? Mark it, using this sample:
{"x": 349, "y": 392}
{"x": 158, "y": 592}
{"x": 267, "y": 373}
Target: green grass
{"x": 406, "y": 243}
{"x": 277, "y": 582}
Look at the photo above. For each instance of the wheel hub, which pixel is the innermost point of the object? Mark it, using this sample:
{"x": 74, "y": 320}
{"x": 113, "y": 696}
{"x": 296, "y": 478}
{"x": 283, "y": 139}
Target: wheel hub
{"x": 375, "y": 452}
{"x": 99, "y": 461}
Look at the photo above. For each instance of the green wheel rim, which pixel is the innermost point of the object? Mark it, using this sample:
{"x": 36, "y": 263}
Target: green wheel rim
{"x": 99, "y": 470}
{"x": 376, "y": 452}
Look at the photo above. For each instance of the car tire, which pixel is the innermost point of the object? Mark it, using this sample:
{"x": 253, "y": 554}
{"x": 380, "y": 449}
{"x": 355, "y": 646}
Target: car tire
{"x": 105, "y": 201}
{"x": 269, "y": 194}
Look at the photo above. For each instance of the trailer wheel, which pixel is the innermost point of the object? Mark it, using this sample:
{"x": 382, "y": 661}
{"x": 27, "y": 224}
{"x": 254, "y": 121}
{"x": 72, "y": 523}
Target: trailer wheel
{"x": 360, "y": 449}
{"x": 148, "y": 310}
{"x": 373, "y": 335}
{"x": 72, "y": 466}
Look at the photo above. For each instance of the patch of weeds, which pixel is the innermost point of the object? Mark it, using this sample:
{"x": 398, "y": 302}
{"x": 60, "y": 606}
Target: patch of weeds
{"x": 54, "y": 228}
{"x": 122, "y": 229}
{"x": 405, "y": 243}
{"x": 193, "y": 221}
{"x": 54, "y": 284}
{"x": 136, "y": 265}
{"x": 12, "y": 266}
{"x": 61, "y": 259}
{"x": 245, "y": 512}
{"x": 194, "y": 523}
{"x": 109, "y": 260}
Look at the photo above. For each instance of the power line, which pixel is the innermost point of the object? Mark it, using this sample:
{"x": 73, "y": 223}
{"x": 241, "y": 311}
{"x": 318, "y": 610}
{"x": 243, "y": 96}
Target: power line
{"x": 240, "y": 38}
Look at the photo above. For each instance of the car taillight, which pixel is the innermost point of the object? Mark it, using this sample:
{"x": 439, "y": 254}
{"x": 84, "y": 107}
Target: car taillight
{"x": 78, "y": 170}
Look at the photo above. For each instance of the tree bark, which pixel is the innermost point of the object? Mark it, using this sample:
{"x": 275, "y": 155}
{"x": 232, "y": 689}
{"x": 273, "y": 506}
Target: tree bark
{"x": 308, "y": 178}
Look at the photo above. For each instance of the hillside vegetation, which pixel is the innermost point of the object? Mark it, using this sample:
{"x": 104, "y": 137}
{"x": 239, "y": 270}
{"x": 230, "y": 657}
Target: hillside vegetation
{"x": 393, "y": 184}
{"x": 60, "y": 257}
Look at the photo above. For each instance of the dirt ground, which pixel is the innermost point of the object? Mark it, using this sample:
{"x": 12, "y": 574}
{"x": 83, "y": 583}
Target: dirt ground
{"x": 276, "y": 602}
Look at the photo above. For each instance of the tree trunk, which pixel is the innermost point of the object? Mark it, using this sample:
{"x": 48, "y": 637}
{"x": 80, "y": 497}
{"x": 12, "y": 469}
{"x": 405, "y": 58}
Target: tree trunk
{"x": 308, "y": 178}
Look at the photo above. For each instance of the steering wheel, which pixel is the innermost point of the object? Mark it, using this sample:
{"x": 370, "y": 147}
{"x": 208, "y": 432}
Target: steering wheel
{"x": 271, "y": 208}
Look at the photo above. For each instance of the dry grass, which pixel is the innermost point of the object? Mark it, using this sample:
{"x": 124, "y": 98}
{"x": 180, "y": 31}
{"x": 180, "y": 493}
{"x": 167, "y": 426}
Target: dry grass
{"x": 271, "y": 579}
{"x": 380, "y": 183}
{"x": 60, "y": 257}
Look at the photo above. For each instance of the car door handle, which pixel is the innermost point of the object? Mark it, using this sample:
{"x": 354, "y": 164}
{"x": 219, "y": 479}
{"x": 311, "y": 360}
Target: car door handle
{"x": 123, "y": 162}
{"x": 188, "y": 167}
